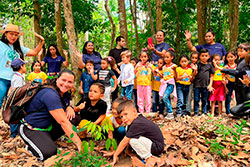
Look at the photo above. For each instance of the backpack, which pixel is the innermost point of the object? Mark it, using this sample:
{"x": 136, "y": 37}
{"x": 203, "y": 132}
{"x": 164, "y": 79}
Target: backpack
{"x": 242, "y": 109}
{"x": 14, "y": 108}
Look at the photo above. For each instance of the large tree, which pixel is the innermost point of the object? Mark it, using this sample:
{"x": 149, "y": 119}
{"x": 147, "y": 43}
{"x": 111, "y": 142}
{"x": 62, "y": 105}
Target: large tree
{"x": 233, "y": 18}
{"x": 158, "y": 15}
{"x": 37, "y": 19}
{"x": 123, "y": 20}
{"x": 151, "y": 20}
{"x": 58, "y": 20}
{"x": 201, "y": 19}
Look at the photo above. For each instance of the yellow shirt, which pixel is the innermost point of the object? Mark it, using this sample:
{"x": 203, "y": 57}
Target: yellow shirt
{"x": 37, "y": 77}
{"x": 168, "y": 72}
{"x": 181, "y": 72}
{"x": 218, "y": 76}
{"x": 156, "y": 80}
{"x": 143, "y": 76}
{"x": 230, "y": 78}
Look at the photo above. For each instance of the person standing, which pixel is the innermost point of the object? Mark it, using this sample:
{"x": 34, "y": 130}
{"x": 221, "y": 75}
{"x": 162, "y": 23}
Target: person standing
{"x": 10, "y": 49}
{"x": 160, "y": 49}
{"x": 116, "y": 54}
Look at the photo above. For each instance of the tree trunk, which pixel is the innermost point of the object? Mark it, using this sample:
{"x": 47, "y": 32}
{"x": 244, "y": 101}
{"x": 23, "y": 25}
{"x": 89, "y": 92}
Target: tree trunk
{"x": 58, "y": 20}
{"x": 178, "y": 28}
{"x": 123, "y": 20}
{"x": 134, "y": 18}
{"x": 37, "y": 19}
{"x": 201, "y": 19}
{"x": 209, "y": 14}
{"x": 151, "y": 18}
{"x": 233, "y": 18}
{"x": 158, "y": 15}
{"x": 72, "y": 42}
{"x": 111, "y": 22}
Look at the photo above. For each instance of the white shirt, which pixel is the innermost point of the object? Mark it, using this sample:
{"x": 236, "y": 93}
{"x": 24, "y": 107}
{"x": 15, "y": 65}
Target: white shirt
{"x": 127, "y": 73}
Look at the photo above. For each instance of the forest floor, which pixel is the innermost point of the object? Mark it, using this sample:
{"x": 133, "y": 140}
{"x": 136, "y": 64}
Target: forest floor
{"x": 190, "y": 141}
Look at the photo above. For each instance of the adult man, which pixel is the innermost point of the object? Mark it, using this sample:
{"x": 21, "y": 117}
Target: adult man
{"x": 160, "y": 48}
{"x": 116, "y": 54}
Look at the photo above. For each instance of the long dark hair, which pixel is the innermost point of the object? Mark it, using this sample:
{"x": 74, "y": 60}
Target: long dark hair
{"x": 84, "y": 50}
{"x": 16, "y": 45}
{"x": 48, "y": 54}
{"x": 233, "y": 52}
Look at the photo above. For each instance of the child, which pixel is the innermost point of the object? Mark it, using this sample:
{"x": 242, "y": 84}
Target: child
{"x": 143, "y": 135}
{"x": 92, "y": 108}
{"x": 86, "y": 79}
{"x": 134, "y": 61}
{"x": 203, "y": 81}
{"x": 193, "y": 65}
{"x": 104, "y": 76}
{"x": 17, "y": 80}
{"x": 184, "y": 77}
{"x": 116, "y": 122}
{"x": 230, "y": 59}
{"x": 158, "y": 104}
{"x": 168, "y": 83}
{"x": 127, "y": 75}
{"x": 240, "y": 89}
{"x": 143, "y": 75}
{"x": 37, "y": 75}
{"x": 217, "y": 93}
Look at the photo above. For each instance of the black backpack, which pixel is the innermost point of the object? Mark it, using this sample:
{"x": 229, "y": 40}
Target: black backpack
{"x": 241, "y": 109}
{"x": 14, "y": 107}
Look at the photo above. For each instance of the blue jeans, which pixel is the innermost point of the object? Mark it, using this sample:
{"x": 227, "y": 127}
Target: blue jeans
{"x": 14, "y": 130}
{"x": 190, "y": 98}
{"x": 203, "y": 92}
{"x": 166, "y": 98}
{"x": 230, "y": 87}
{"x": 157, "y": 102}
{"x": 182, "y": 94}
{"x": 127, "y": 92}
{"x": 4, "y": 87}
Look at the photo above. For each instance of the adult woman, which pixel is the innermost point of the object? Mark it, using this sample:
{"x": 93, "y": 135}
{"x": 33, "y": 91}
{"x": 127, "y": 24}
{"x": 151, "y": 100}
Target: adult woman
{"x": 40, "y": 129}
{"x": 54, "y": 60}
{"x": 9, "y": 50}
{"x": 160, "y": 48}
{"x": 211, "y": 45}
{"x": 88, "y": 52}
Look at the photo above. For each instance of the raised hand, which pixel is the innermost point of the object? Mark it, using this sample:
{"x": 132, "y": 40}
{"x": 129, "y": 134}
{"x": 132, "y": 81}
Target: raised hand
{"x": 188, "y": 35}
{"x": 78, "y": 54}
{"x": 65, "y": 52}
{"x": 39, "y": 36}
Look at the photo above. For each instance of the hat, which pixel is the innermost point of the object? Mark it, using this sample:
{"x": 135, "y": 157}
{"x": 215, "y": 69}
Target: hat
{"x": 247, "y": 59}
{"x": 17, "y": 63}
{"x": 11, "y": 27}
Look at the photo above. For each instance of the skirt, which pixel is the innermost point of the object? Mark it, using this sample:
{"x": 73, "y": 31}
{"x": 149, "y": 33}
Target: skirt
{"x": 219, "y": 92}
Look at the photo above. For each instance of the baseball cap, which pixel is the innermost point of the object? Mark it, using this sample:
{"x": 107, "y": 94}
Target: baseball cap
{"x": 17, "y": 63}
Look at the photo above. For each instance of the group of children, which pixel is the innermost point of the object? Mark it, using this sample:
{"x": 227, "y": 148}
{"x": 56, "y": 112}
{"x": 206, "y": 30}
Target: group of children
{"x": 201, "y": 75}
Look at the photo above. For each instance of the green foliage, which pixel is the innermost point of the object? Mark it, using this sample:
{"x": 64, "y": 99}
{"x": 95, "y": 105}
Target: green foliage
{"x": 226, "y": 133}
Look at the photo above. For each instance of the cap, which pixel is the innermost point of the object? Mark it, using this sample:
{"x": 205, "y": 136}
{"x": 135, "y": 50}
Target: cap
{"x": 17, "y": 63}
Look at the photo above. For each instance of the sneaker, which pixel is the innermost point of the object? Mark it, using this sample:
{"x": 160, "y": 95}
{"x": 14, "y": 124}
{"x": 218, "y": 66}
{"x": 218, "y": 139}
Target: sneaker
{"x": 170, "y": 116}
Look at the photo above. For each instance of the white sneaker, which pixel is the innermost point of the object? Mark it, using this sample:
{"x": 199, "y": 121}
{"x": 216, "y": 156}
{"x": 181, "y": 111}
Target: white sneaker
{"x": 169, "y": 116}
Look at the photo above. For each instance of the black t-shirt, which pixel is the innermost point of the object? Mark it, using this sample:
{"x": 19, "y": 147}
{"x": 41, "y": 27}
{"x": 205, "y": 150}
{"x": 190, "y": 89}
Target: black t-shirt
{"x": 141, "y": 126}
{"x": 92, "y": 113}
{"x": 116, "y": 54}
{"x": 104, "y": 77}
{"x": 203, "y": 76}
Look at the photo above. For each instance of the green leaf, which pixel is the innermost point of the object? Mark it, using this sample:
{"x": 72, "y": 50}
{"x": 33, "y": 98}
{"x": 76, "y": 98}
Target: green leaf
{"x": 74, "y": 129}
{"x": 92, "y": 145}
{"x": 114, "y": 144}
{"x": 86, "y": 147}
{"x": 93, "y": 129}
{"x": 65, "y": 153}
{"x": 72, "y": 135}
{"x": 108, "y": 144}
{"x": 90, "y": 126}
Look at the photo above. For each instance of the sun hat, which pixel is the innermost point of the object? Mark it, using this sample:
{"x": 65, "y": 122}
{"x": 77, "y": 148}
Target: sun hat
{"x": 17, "y": 63}
{"x": 13, "y": 28}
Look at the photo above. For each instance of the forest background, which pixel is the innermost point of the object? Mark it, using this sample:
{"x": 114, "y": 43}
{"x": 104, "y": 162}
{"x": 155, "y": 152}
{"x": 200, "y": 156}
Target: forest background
{"x": 71, "y": 23}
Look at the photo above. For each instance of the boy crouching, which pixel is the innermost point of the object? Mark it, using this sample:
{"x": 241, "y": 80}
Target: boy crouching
{"x": 143, "y": 135}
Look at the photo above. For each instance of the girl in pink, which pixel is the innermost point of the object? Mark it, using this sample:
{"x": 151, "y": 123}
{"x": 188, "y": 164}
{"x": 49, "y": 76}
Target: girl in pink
{"x": 143, "y": 71}
{"x": 218, "y": 87}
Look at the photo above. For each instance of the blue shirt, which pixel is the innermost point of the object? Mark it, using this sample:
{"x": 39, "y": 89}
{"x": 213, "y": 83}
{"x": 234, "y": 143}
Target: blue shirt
{"x": 87, "y": 81}
{"x": 7, "y": 55}
{"x": 54, "y": 65}
{"x": 213, "y": 49}
{"x": 46, "y": 99}
{"x": 160, "y": 48}
{"x": 95, "y": 57}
